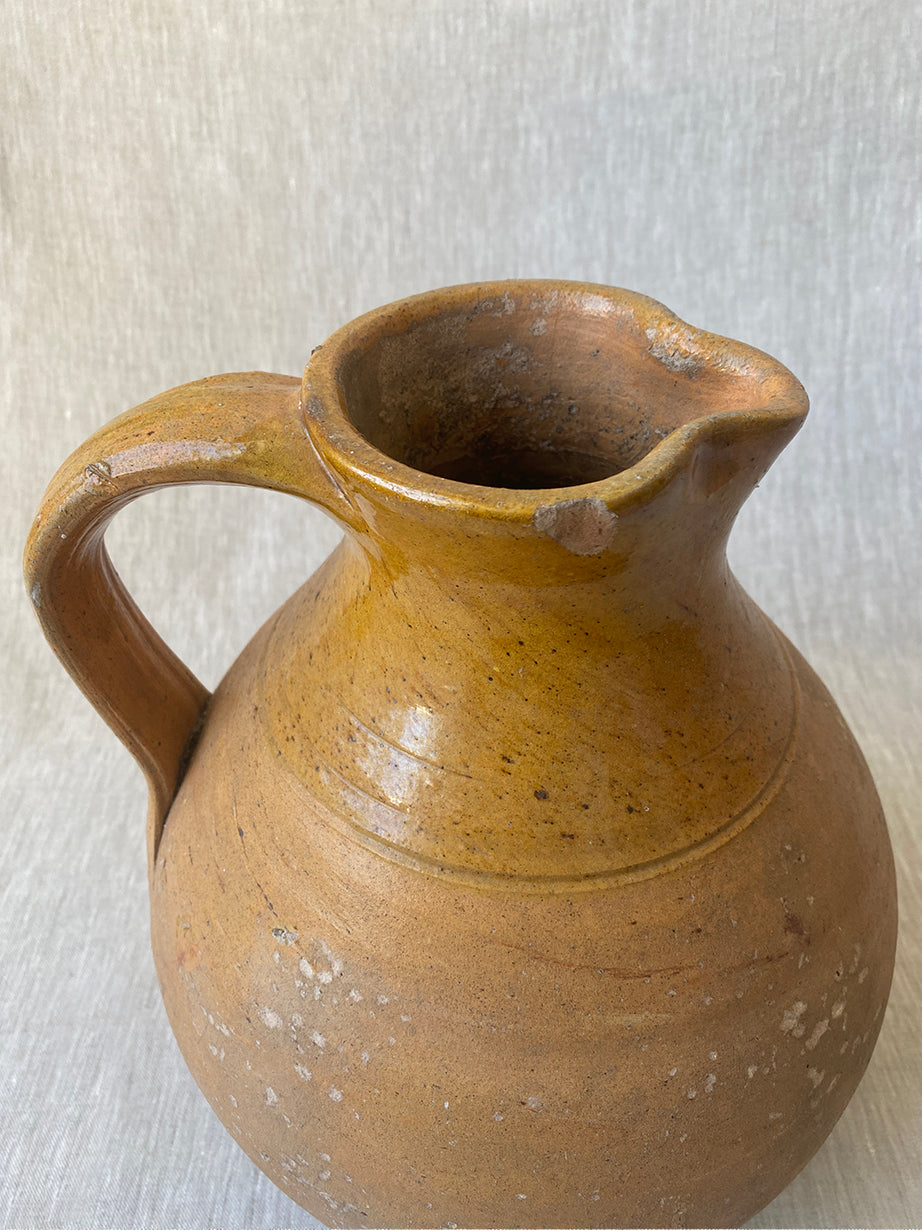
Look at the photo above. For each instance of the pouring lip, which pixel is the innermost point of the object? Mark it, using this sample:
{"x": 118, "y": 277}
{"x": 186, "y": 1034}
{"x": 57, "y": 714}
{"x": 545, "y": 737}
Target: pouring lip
{"x": 779, "y": 400}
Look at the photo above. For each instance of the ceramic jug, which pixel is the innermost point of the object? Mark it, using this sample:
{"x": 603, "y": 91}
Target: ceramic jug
{"x": 519, "y": 872}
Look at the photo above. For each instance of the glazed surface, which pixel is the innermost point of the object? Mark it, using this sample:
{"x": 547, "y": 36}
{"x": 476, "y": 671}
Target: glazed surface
{"x": 519, "y": 873}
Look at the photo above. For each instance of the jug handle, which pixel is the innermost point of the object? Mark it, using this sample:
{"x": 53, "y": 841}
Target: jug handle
{"x": 237, "y": 428}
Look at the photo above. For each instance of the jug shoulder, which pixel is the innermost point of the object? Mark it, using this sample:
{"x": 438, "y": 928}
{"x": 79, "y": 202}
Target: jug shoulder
{"x": 515, "y": 752}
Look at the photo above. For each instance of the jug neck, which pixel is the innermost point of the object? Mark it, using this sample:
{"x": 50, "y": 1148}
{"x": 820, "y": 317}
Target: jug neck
{"x": 545, "y": 434}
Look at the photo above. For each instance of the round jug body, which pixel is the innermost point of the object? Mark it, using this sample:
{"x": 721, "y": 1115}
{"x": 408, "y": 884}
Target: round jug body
{"x": 393, "y": 1042}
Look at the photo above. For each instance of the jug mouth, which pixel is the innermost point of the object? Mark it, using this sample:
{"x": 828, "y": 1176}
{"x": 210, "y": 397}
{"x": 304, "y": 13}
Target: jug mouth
{"x": 500, "y": 398}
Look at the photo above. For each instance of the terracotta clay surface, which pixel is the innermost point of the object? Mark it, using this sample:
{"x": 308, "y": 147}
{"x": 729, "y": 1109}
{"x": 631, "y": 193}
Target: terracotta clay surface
{"x": 519, "y": 872}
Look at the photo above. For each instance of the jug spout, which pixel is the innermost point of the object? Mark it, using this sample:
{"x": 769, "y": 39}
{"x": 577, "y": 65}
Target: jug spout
{"x": 588, "y": 422}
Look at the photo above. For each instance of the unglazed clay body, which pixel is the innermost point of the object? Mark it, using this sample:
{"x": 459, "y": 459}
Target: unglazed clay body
{"x": 519, "y": 872}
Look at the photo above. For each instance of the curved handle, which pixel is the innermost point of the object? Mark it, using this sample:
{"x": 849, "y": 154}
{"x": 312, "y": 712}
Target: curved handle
{"x": 238, "y": 428}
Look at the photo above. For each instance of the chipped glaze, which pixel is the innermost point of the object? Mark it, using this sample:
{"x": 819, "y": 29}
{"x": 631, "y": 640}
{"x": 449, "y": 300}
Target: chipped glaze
{"x": 520, "y": 872}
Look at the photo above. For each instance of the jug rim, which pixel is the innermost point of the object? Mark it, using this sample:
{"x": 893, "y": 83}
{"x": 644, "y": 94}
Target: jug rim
{"x": 774, "y": 400}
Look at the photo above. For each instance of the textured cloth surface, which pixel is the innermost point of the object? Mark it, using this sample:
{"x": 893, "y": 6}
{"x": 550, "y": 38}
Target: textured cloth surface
{"x": 189, "y": 189}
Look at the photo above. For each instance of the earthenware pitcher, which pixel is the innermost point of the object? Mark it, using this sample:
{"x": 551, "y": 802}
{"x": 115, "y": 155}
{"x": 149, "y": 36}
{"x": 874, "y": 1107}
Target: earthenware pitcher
{"x": 519, "y": 872}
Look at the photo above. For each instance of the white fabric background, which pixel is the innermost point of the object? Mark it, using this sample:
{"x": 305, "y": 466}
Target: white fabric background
{"x": 195, "y": 188}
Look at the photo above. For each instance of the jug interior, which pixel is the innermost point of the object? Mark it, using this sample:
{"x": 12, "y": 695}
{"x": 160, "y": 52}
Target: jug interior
{"x": 524, "y": 391}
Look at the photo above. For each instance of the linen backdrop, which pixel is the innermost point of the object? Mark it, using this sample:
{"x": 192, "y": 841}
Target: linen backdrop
{"x": 197, "y": 188}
